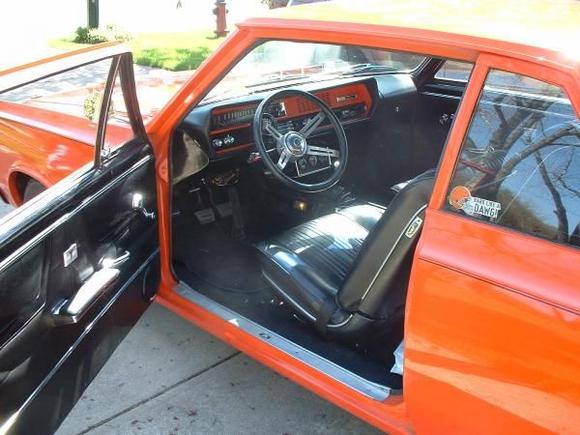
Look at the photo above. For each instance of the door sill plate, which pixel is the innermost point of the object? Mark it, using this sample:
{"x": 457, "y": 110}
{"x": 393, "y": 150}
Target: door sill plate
{"x": 351, "y": 380}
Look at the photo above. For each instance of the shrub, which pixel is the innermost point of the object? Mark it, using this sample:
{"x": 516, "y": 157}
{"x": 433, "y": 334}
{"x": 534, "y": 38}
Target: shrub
{"x": 85, "y": 35}
{"x": 90, "y": 105}
{"x": 81, "y": 35}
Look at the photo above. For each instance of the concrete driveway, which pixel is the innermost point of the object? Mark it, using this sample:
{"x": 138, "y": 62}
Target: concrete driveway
{"x": 169, "y": 377}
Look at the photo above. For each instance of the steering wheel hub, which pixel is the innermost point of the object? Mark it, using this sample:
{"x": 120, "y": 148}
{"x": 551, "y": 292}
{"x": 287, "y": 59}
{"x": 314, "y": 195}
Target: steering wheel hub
{"x": 295, "y": 144}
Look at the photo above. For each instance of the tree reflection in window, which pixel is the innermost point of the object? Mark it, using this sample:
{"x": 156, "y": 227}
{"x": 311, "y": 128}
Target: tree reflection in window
{"x": 523, "y": 152}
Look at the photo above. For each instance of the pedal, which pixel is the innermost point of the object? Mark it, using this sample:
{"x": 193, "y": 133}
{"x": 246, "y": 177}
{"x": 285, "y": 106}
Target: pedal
{"x": 224, "y": 209}
{"x": 205, "y": 216}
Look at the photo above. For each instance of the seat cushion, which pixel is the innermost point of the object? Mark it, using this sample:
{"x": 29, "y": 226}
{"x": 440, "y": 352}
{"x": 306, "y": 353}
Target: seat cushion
{"x": 308, "y": 264}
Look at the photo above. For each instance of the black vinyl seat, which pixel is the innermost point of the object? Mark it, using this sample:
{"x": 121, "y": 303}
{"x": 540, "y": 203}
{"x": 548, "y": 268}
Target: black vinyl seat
{"x": 345, "y": 270}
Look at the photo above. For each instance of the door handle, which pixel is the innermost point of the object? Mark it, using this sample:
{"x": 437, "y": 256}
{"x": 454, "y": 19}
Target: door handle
{"x": 98, "y": 283}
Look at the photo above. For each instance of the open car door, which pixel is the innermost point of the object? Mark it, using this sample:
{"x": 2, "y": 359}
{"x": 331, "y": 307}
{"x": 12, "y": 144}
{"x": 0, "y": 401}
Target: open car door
{"x": 79, "y": 263}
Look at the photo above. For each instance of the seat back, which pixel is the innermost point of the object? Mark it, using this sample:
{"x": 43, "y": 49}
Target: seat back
{"x": 376, "y": 285}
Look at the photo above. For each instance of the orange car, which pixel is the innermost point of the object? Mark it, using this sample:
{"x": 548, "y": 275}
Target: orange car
{"x": 381, "y": 203}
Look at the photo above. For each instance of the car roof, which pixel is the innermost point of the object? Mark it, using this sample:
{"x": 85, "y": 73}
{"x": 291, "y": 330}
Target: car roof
{"x": 552, "y": 25}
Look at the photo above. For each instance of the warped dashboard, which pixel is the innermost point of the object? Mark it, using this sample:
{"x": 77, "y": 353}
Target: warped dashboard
{"x": 225, "y": 128}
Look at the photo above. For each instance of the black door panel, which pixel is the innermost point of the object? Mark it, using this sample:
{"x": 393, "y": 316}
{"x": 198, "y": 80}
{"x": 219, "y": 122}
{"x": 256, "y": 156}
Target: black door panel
{"x": 47, "y": 357}
{"x": 61, "y": 390}
{"x": 437, "y": 104}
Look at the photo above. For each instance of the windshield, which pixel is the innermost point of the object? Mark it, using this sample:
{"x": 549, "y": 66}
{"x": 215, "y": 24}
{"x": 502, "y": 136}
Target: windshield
{"x": 288, "y": 62}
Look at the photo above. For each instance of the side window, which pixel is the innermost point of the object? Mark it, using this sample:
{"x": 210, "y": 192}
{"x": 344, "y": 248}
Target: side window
{"x": 72, "y": 96}
{"x": 119, "y": 129}
{"x": 520, "y": 162}
{"x": 48, "y": 129}
{"x": 453, "y": 70}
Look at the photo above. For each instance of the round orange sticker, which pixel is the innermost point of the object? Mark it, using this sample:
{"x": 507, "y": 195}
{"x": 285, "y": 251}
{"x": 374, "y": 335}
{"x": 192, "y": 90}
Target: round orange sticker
{"x": 458, "y": 196}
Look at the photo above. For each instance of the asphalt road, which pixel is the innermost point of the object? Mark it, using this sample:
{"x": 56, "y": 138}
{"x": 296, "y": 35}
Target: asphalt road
{"x": 169, "y": 377}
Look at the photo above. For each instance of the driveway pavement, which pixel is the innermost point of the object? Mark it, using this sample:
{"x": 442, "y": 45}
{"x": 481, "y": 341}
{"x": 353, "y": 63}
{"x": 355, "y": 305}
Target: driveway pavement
{"x": 169, "y": 377}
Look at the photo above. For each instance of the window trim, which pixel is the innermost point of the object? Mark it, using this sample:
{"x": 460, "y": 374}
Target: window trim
{"x": 568, "y": 82}
{"x": 454, "y": 82}
{"x": 104, "y": 112}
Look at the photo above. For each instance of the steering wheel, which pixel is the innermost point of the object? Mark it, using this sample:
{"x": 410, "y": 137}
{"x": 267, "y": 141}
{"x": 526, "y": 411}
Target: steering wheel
{"x": 287, "y": 148}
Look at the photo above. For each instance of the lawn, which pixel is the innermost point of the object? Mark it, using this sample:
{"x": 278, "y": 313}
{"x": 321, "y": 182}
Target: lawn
{"x": 178, "y": 51}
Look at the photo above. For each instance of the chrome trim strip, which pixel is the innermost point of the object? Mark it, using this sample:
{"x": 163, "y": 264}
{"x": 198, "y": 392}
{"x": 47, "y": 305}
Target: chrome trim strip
{"x": 341, "y": 324}
{"x": 5, "y": 428}
{"x": 32, "y": 242}
{"x": 26, "y": 74}
{"x": 345, "y": 377}
{"x": 40, "y": 236}
{"x": 43, "y": 199}
{"x": 418, "y": 212}
{"x": 382, "y": 207}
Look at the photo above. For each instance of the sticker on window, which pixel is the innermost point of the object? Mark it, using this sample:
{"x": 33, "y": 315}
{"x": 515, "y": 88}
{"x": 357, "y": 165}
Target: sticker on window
{"x": 460, "y": 198}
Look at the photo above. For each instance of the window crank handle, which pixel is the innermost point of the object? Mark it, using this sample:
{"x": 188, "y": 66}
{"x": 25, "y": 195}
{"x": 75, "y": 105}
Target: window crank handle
{"x": 137, "y": 205}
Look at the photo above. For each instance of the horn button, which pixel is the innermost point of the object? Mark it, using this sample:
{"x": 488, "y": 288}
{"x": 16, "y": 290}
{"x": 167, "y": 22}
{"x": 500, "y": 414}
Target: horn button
{"x": 295, "y": 144}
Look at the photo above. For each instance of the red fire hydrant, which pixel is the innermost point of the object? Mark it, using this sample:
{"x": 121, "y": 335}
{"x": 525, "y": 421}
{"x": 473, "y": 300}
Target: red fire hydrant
{"x": 220, "y": 12}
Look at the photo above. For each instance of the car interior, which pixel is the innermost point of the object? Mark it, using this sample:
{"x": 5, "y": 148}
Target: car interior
{"x": 297, "y": 202}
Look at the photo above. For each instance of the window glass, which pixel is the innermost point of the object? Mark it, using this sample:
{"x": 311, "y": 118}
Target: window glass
{"x": 119, "y": 129}
{"x": 520, "y": 163}
{"x": 455, "y": 70}
{"x": 287, "y": 61}
{"x": 48, "y": 130}
{"x": 74, "y": 95}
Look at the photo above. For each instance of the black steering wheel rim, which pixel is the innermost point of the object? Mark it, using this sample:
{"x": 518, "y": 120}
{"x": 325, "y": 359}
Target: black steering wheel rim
{"x": 342, "y": 155}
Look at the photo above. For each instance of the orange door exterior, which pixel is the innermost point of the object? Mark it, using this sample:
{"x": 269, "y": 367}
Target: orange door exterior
{"x": 492, "y": 333}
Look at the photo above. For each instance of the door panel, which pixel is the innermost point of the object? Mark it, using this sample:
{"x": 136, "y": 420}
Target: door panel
{"x": 493, "y": 314}
{"x": 58, "y": 323}
{"x": 436, "y": 110}
{"x": 101, "y": 225}
{"x": 439, "y": 98}
{"x": 496, "y": 335}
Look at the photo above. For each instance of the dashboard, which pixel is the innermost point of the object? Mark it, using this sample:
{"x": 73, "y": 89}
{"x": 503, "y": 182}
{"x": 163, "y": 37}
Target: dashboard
{"x": 231, "y": 126}
{"x": 224, "y": 129}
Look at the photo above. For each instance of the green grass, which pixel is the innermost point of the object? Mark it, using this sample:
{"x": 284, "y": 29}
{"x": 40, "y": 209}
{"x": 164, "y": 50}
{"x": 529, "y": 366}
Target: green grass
{"x": 173, "y": 51}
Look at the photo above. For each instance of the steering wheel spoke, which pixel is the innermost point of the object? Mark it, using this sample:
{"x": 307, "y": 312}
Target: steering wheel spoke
{"x": 322, "y": 152}
{"x": 312, "y": 124}
{"x": 283, "y": 159}
{"x": 272, "y": 130}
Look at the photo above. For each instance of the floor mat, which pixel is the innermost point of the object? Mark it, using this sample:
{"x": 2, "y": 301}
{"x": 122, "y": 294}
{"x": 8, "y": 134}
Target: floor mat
{"x": 229, "y": 272}
{"x": 218, "y": 260}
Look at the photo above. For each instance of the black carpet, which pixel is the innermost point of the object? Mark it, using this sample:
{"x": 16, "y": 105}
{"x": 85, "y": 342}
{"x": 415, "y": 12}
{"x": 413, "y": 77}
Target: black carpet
{"x": 228, "y": 271}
